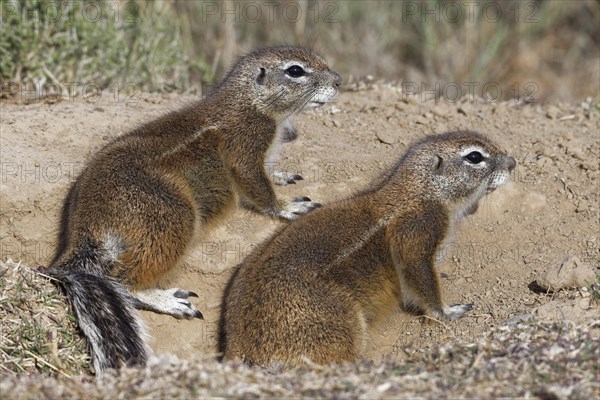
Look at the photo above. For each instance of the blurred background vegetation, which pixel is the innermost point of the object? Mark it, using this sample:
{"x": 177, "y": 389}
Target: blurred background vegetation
{"x": 184, "y": 46}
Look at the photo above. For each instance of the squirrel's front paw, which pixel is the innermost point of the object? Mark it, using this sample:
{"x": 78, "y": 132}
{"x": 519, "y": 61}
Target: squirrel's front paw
{"x": 298, "y": 206}
{"x": 167, "y": 301}
{"x": 455, "y": 311}
{"x": 281, "y": 178}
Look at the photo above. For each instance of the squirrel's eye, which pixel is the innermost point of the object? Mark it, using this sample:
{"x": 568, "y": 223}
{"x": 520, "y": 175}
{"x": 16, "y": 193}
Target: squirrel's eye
{"x": 474, "y": 157}
{"x": 295, "y": 71}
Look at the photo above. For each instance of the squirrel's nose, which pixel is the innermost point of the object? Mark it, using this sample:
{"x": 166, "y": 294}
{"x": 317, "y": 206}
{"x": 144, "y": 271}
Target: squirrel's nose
{"x": 509, "y": 162}
{"x": 337, "y": 79}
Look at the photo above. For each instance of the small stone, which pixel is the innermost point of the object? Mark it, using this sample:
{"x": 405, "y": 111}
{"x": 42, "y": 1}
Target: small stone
{"x": 439, "y": 112}
{"x": 336, "y": 123}
{"x": 578, "y": 154}
{"x": 590, "y": 165}
{"x": 410, "y": 99}
{"x": 500, "y": 108}
{"x": 585, "y": 304}
{"x": 519, "y": 318}
{"x": 552, "y": 112}
{"x": 583, "y": 206}
{"x": 570, "y": 273}
{"x": 334, "y": 110}
{"x": 543, "y": 161}
{"x": 386, "y": 137}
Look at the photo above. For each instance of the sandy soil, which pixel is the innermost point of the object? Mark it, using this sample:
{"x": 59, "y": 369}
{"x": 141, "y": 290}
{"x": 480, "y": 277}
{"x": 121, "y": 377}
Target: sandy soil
{"x": 548, "y": 212}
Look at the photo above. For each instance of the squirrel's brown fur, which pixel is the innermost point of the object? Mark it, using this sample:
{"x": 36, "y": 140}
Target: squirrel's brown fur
{"x": 141, "y": 200}
{"x": 310, "y": 292}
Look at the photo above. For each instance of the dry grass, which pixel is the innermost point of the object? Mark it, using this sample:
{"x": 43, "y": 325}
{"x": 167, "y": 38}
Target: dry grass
{"x": 535, "y": 49}
{"x": 40, "y": 349}
{"x": 38, "y": 333}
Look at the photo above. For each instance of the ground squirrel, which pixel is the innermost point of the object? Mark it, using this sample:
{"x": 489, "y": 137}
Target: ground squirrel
{"x": 134, "y": 210}
{"x": 311, "y": 291}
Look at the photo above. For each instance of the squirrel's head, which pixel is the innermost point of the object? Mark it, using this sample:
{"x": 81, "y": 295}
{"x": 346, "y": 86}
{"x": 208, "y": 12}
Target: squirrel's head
{"x": 280, "y": 81}
{"x": 461, "y": 167}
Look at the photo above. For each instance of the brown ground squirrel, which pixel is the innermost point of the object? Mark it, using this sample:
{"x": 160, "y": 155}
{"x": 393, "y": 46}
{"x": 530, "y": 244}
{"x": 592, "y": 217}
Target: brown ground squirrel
{"x": 311, "y": 291}
{"x": 134, "y": 210}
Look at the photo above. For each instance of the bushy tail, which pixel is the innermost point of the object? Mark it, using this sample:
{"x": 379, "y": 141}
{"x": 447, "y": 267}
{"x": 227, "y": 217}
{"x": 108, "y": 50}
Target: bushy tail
{"x": 107, "y": 317}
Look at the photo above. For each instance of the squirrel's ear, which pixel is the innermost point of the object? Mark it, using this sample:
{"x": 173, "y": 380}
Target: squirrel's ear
{"x": 260, "y": 79}
{"x": 436, "y": 162}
